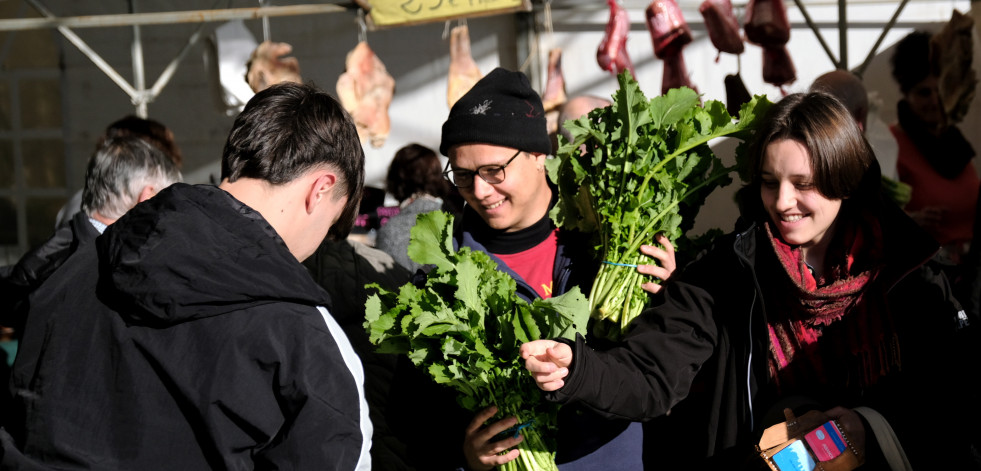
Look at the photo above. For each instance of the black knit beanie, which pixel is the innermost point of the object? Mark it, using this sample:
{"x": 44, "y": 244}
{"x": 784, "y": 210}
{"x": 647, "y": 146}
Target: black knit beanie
{"x": 501, "y": 109}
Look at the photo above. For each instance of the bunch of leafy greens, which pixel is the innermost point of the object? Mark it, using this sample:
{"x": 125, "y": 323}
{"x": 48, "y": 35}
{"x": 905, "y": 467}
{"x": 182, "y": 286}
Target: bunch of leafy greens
{"x": 465, "y": 326}
{"x": 634, "y": 169}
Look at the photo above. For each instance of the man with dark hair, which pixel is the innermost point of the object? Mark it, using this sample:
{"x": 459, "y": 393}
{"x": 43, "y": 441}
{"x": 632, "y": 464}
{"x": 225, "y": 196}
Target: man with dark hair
{"x": 848, "y": 89}
{"x": 497, "y": 141}
{"x": 202, "y": 342}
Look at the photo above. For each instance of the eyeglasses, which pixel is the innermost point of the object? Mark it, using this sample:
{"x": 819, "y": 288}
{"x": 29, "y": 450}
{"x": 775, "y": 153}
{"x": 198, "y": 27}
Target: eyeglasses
{"x": 489, "y": 173}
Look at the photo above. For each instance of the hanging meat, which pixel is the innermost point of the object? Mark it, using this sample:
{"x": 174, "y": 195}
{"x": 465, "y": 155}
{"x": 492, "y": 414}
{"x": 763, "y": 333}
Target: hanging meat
{"x": 722, "y": 26}
{"x": 668, "y": 28}
{"x": 675, "y": 74}
{"x": 464, "y": 72}
{"x": 365, "y": 90}
{"x": 554, "y": 95}
{"x": 670, "y": 33}
{"x": 778, "y": 68}
{"x": 767, "y": 25}
{"x": 612, "y": 52}
{"x": 952, "y": 51}
{"x": 736, "y": 93}
{"x": 268, "y": 65}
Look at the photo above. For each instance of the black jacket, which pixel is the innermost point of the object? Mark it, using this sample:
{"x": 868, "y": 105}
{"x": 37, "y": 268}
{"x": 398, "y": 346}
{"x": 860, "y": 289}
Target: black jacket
{"x": 701, "y": 353}
{"x": 37, "y": 265}
{"x": 187, "y": 337}
{"x": 343, "y": 269}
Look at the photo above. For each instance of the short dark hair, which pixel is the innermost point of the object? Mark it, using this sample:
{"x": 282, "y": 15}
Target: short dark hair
{"x": 118, "y": 171}
{"x": 289, "y": 129}
{"x": 911, "y": 62}
{"x": 416, "y": 169}
{"x": 149, "y": 130}
{"x": 842, "y": 162}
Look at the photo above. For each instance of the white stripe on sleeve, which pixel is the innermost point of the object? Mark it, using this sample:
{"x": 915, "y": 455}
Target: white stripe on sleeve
{"x": 353, "y": 363}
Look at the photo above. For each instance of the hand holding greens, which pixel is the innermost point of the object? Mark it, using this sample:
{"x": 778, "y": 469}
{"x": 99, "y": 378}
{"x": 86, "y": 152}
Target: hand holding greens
{"x": 625, "y": 175}
{"x": 465, "y": 326}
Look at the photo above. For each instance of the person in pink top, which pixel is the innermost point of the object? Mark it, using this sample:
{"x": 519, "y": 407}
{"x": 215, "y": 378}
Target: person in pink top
{"x": 934, "y": 158}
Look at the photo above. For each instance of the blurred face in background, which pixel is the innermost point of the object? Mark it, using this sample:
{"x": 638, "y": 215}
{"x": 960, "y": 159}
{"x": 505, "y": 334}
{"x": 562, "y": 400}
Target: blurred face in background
{"x": 924, "y": 100}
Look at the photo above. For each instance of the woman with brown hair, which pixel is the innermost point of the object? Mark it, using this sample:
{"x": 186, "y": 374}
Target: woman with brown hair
{"x": 415, "y": 179}
{"x": 824, "y": 299}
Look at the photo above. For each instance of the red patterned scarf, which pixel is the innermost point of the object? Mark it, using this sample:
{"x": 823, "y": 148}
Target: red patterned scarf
{"x": 864, "y": 346}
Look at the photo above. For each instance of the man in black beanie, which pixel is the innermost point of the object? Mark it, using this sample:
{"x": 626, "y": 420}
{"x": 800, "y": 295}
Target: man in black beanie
{"x": 498, "y": 129}
{"x": 497, "y": 142}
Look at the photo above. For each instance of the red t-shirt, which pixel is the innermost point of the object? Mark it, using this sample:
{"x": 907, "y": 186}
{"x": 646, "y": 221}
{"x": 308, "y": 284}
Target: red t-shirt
{"x": 536, "y": 264}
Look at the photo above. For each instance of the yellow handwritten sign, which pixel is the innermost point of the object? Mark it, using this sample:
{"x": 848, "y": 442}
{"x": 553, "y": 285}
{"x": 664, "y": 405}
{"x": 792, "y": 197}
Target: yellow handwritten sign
{"x": 405, "y": 12}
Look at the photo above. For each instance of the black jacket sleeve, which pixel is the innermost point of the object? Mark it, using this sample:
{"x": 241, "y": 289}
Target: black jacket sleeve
{"x": 653, "y": 368}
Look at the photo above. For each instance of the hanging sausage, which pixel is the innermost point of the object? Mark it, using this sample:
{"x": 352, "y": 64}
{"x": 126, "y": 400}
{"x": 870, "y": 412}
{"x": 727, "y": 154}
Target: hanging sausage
{"x": 767, "y": 25}
{"x": 722, "y": 26}
{"x": 736, "y": 93}
{"x": 670, "y": 33}
{"x": 612, "y": 52}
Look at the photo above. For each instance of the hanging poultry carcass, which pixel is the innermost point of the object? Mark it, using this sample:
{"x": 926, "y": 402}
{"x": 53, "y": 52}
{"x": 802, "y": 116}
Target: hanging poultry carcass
{"x": 268, "y": 65}
{"x": 722, "y": 26}
{"x": 554, "y": 96}
{"x": 464, "y": 72}
{"x": 669, "y": 33}
{"x": 612, "y": 52}
{"x": 365, "y": 90}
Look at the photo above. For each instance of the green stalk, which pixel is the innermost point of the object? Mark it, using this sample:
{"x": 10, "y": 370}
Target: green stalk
{"x": 635, "y": 244}
{"x": 534, "y": 454}
{"x": 681, "y": 150}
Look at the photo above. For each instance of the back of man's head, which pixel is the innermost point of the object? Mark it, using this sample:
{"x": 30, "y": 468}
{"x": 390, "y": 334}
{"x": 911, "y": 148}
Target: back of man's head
{"x": 119, "y": 171}
{"x": 848, "y": 89}
{"x": 289, "y": 129}
{"x": 149, "y": 130}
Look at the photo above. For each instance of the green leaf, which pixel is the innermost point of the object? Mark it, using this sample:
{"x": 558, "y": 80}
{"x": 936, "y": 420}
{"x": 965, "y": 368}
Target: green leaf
{"x": 430, "y": 242}
{"x": 670, "y": 108}
{"x": 568, "y": 314}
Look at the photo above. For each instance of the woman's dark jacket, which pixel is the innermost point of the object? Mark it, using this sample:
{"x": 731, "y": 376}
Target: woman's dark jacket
{"x": 701, "y": 353}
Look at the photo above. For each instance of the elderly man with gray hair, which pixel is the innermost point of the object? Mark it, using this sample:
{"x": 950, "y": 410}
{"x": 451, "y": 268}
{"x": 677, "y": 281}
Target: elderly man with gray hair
{"x": 122, "y": 172}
